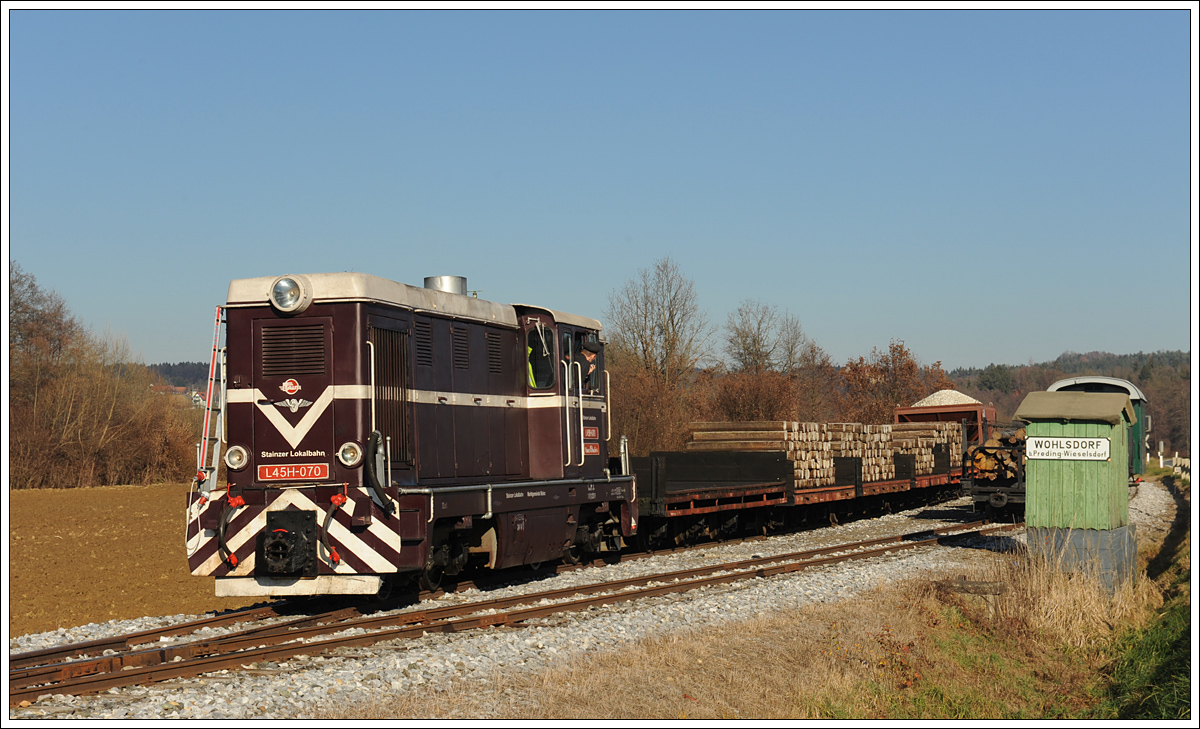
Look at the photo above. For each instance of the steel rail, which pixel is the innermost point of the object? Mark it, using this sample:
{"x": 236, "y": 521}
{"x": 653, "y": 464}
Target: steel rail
{"x": 281, "y": 640}
{"x": 124, "y": 642}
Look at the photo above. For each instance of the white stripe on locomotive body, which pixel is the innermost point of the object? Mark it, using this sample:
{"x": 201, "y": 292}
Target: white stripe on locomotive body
{"x": 432, "y": 397}
{"x": 345, "y": 539}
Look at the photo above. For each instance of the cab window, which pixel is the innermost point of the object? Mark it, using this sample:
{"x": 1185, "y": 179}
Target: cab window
{"x": 539, "y": 352}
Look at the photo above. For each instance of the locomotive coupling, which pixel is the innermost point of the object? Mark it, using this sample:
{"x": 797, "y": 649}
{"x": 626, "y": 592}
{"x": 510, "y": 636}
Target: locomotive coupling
{"x": 288, "y": 545}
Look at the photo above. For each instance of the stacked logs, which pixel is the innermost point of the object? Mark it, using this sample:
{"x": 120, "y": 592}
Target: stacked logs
{"x": 810, "y": 446}
{"x": 877, "y": 453}
{"x": 813, "y": 446}
{"x": 1000, "y": 456}
{"x": 806, "y": 445}
{"x": 919, "y": 439}
{"x": 871, "y": 443}
{"x": 812, "y": 456}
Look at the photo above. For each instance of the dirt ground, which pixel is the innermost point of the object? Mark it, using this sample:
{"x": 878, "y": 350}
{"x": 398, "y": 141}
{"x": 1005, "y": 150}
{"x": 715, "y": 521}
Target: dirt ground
{"x": 78, "y": 556}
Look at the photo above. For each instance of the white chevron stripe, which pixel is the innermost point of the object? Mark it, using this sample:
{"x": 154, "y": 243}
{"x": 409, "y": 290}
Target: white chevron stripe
{"x": 294, "y": 435}
{"x": 350, "y": 542}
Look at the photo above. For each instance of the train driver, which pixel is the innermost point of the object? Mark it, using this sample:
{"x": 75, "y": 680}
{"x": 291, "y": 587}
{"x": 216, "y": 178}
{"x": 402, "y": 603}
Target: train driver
{"x": 587, "y": 362}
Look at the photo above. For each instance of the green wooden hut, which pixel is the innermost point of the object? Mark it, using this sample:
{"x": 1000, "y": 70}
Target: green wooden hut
{"x": 1076, "y": 455}
{"x": 1076, "y": 480}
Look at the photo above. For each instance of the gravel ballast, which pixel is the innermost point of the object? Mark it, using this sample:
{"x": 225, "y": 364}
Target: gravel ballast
{"x": 300, "y": 686}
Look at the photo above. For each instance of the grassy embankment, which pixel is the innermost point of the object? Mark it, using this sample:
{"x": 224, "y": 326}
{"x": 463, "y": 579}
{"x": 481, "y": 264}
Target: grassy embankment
{"x": 1049, "y": 645}
{"x": 1151, "y": 678}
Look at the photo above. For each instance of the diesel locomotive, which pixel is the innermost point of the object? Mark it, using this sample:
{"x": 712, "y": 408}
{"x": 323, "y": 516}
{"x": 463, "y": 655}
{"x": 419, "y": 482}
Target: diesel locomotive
{"x": 374, "y": 433}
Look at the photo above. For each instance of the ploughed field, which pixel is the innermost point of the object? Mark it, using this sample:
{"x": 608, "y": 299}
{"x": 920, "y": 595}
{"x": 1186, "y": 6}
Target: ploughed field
{"x": 79, "y": 556}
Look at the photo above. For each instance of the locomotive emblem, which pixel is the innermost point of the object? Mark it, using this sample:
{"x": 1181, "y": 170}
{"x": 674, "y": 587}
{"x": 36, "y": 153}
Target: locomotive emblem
{"x": 291, "y": 387}
{"x": 293, "y": 434}
{"x": 293, "y": 404}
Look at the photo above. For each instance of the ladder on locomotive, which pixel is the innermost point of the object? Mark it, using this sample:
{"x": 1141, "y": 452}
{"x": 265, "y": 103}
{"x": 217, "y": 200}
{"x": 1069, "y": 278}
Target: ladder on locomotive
{"x": 208, "y": 451}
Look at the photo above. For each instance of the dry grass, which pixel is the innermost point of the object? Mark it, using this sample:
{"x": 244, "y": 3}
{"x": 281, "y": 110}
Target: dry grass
{"x": 767, "y": 668}
{"x": 919, "y": 650}
{"x": 1064, "y": 608}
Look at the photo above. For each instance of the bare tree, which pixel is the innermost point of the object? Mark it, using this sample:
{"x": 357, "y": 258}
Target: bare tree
{"x": 657, "y": 338}
{"x": 655, "y": 323}
{"x": 752, "y": 338}
{"x": 758, "y": 338}
{"x": 795, "y": 349}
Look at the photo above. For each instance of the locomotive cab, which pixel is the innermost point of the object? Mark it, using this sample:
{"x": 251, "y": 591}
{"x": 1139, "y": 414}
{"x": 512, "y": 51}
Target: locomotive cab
{"x": 568, "y": 413}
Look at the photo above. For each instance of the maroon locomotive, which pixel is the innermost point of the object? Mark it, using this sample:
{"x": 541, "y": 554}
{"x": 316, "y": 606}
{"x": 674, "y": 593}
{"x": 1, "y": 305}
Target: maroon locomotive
{"x": 373, "y": 432}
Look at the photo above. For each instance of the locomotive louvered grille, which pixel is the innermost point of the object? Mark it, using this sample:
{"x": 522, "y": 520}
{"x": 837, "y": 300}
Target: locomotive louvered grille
{"x": 290, "y": 351}
{"x": 462, "y": 348}
{"x": 424, "y": 334}
{"x": 391, "y": 390}
{"x": 495, "y": 358}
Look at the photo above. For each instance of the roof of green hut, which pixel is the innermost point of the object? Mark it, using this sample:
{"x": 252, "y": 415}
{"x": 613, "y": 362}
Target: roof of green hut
{"x": 1096, "y": 406}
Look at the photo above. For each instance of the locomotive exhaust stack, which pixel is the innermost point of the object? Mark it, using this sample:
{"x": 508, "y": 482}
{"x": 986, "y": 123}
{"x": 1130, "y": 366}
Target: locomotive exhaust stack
{"x": 449, "y": 284}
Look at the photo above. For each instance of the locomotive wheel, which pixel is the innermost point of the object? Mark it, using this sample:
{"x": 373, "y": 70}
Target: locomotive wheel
{"x": 572, "y": 554}
{"x": 430, "y": 579}
{"x": 386, "y": 587}
{"x": 392, "y": 587}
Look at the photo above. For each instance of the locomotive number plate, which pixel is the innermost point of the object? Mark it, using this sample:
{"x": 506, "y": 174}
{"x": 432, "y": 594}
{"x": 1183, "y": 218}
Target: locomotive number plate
{"x": 591, "y": 433}
{"x": 293, "y": 472}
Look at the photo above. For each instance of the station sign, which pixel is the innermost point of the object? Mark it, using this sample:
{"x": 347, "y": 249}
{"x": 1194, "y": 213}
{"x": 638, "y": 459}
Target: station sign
{"x": 1067, "y": 449}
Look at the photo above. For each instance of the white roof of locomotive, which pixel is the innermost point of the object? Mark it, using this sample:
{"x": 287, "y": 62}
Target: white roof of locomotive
{"x": 330, "y": 287}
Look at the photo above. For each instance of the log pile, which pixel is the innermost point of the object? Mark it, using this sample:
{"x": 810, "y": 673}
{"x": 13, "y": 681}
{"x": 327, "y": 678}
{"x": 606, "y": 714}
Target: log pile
{"x": 810, "y": 446}
{"x": 806, "y": 445}
{"x": 877, "y": 453}
{"x": 919, "y": 439}
{"x": 999, "y": 457}
{"x": 871, "y": 443}
{"x": 813, "y": 456}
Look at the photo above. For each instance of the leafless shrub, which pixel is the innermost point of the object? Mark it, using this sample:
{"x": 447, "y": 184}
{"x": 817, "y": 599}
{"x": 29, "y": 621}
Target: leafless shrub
{"x": 81, "y": 411}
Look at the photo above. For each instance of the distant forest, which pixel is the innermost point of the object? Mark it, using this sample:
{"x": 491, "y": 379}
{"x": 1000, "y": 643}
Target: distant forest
{"x": 1165, "y": 377}
{"x": 183, "y": 374}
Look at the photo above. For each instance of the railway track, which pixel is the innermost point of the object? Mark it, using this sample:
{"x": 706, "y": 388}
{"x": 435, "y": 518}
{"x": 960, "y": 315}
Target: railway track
{"x": 145, "y": 658}
{"x": 310, "y": 607}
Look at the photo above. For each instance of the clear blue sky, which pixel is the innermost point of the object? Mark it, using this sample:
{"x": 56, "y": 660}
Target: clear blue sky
{"x": 989, "y": 186}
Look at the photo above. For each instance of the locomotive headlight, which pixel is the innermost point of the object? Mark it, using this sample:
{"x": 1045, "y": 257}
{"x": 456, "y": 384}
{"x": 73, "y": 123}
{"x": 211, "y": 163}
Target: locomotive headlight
{"x": 350, "y": 454}
{"x": 236, "y": 457}
{"x": 291, "y": 294}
